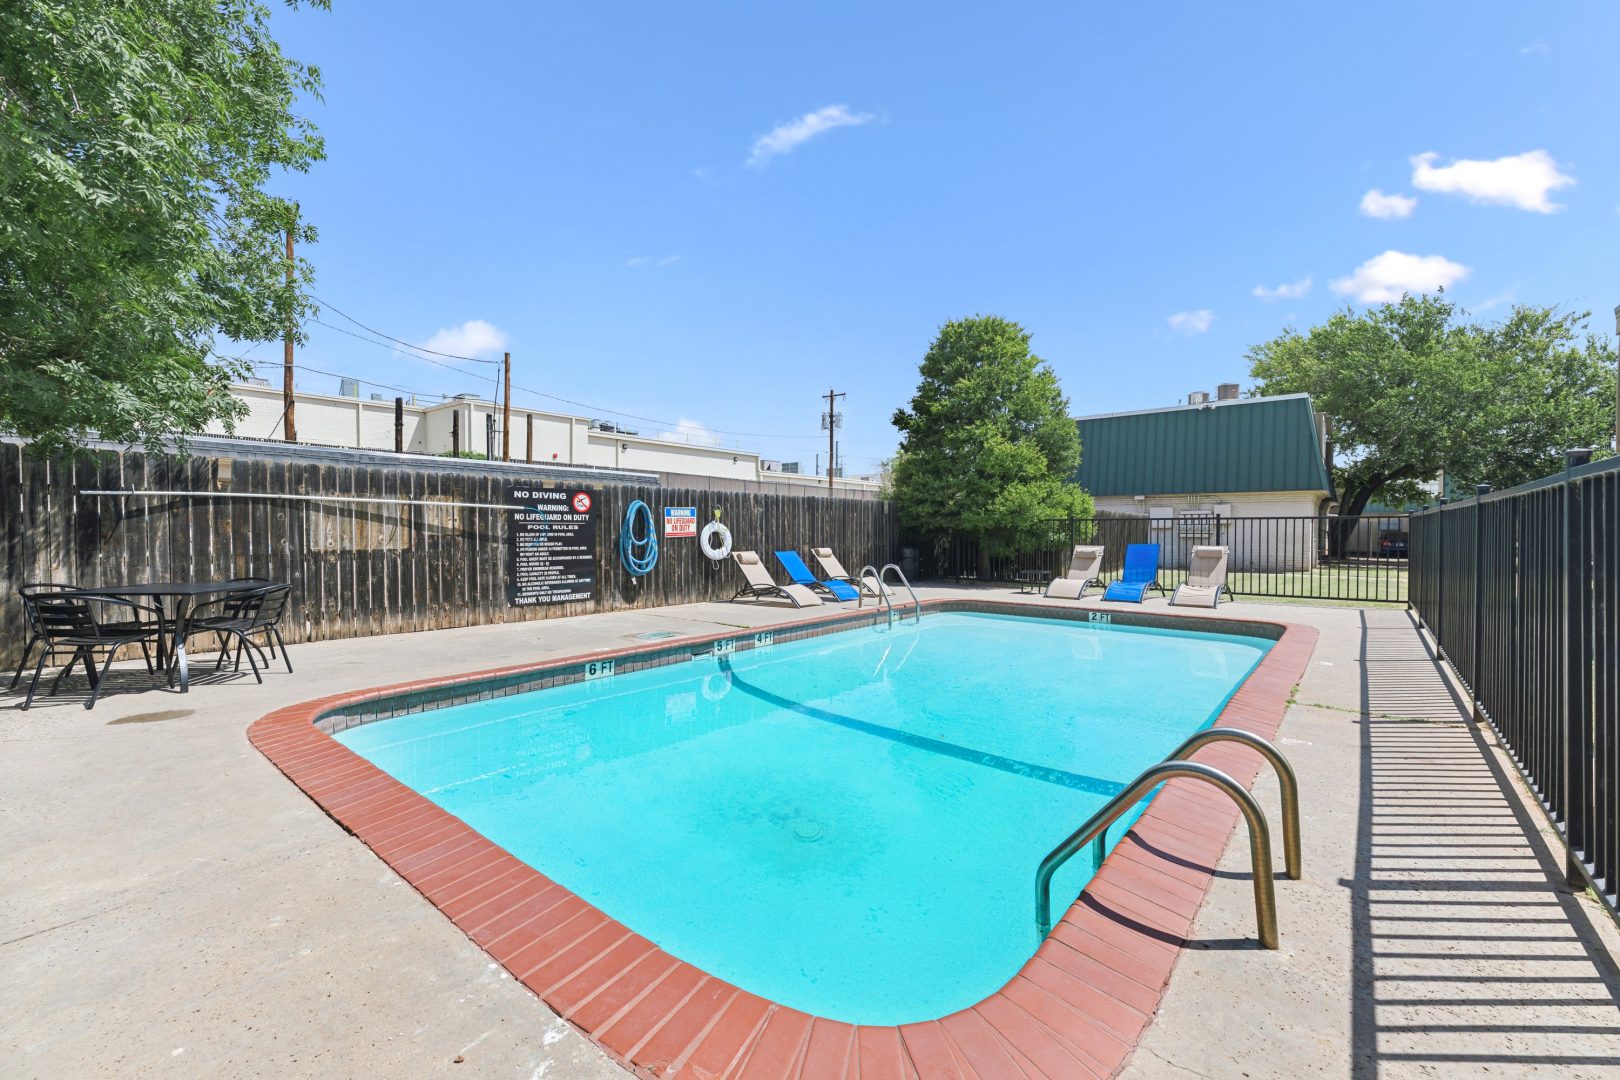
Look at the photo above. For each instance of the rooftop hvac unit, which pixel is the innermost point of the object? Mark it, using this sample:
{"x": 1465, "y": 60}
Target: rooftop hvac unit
{"x": 348, "y": 388}
{"x": 379, "y": 397}
{"x": 257, "y": 382}
{"x": 1227, "y": 391}
{"x": 790, "y": 466}
{"x": 1198, "y": 397}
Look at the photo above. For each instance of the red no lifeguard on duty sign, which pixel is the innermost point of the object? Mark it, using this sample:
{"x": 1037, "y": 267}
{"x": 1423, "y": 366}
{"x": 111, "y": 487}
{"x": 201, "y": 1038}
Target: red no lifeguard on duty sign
{"x": 582, "y": 502}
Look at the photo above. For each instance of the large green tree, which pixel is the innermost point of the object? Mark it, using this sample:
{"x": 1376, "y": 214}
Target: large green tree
{"x": 1415, "y": 389}
{"x": 137, "y": 138}
{"x": 988, "y": 446}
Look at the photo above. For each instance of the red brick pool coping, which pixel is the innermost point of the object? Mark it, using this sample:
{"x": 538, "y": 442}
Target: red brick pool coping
{"x": 1076, "y": 1009}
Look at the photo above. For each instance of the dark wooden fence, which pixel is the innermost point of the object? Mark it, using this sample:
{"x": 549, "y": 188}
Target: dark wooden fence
{"x": 1521, "y": 590}
{"x": 362, "y": 568}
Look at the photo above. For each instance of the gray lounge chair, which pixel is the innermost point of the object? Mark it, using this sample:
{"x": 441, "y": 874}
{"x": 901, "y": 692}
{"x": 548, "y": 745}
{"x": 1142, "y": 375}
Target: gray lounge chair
{"x": 1206, "y": 579}
{"x": 833, "y": 570}
{"x": 761, "y": 585}
{"x": 1085, "y": 567}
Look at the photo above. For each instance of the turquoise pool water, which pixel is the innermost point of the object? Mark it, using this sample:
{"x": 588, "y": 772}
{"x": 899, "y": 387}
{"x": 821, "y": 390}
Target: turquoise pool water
{"x": 848, "y": 824}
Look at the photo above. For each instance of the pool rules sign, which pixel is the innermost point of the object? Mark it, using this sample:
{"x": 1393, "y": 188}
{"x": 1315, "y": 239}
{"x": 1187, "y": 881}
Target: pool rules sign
{"x": 551, "y": 546}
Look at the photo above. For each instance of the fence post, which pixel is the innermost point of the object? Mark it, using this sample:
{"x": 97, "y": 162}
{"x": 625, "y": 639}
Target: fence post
{"x": 1438, "y": 622}
{"x": 1480, "y": 491}
{"x": 1576, "y": 735}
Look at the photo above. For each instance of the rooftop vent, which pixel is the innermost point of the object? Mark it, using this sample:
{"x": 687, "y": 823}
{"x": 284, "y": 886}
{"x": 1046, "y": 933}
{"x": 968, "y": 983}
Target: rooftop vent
{"x": 1227, "y": 391}
{"x": 348, "y": 387}
{"x": 466, "y": 397}
{"x": 1198, "y": 397}
{"x": 257, "y": 382}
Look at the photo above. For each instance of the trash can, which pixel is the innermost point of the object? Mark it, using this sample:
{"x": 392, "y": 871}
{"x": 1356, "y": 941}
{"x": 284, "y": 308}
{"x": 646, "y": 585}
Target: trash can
{"x": 908, "y": 563}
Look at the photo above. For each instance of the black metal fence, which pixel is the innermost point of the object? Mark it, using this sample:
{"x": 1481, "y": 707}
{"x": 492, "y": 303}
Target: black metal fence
{"x": 1362, "y": 559}
{"x": 1521, "y": 590}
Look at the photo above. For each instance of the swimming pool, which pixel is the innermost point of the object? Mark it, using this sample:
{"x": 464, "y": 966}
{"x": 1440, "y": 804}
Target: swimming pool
{"x": 847, "y": 824}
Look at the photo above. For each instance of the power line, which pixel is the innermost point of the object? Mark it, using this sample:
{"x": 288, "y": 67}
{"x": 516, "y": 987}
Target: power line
{"x": 537, "y": 393}
{"x": 390, "y": 337}
{"x": 527, "y": 390}
{"x": 395, "y": 348}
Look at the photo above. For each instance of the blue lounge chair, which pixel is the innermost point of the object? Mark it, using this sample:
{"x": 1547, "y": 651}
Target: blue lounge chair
{"x": 801, "y": 575}
{"x": 1141, "y": 574}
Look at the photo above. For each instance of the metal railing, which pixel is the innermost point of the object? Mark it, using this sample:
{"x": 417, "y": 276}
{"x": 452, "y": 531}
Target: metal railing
{"x": 1521, "y": 592}
{"x": 870, "y": 573}
{"x": 901, "y": 574}
{"x": 1095, "y": 829}
{"x": 1361, "y": 558}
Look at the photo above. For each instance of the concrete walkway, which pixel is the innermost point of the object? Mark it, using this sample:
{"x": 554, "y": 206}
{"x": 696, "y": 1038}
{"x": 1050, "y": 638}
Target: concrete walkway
{"x": 1432, "y": 935}
{"x": 173, "y": 906}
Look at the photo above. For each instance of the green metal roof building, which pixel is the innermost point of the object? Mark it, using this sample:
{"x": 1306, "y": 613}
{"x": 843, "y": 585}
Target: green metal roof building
{"x": 1238, "y": 446}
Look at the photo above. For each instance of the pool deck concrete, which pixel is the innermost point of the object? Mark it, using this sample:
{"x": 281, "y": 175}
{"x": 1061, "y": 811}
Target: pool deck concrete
{"x": 173, "y": 906}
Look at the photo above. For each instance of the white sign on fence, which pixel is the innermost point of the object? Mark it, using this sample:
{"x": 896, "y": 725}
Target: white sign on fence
{"x": 680, "y": 521}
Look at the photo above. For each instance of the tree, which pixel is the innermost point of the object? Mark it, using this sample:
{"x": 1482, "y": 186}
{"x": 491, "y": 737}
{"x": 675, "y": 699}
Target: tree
{"x": 1415, "y": 391}
{"x": 988, "y": 447}
{"x": 136, "y": 143}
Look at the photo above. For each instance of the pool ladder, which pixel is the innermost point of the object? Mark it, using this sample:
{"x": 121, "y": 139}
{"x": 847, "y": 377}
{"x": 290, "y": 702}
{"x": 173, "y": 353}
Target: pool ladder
{"x": 1175, "y": 766}
{"x": 882, "y": 590}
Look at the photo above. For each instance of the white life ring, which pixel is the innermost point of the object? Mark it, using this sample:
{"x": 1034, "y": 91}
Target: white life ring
{"x": 716, "y": 686}
{"x": 716, "y": 529}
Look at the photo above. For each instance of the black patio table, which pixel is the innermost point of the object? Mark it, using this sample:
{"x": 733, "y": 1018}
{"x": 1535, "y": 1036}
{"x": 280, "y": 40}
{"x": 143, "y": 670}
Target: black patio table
{"x": 183, "y": 594}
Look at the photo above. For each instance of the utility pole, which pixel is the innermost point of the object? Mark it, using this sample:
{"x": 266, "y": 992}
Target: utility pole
{"x": 506, "y": 412}
{"x": 831, "y": 421}
{"x": 288, "y": 426}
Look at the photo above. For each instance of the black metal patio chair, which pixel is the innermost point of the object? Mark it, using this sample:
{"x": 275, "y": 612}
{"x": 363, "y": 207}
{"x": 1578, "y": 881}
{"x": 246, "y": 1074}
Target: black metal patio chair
{"x": 35, "y": 634}
{"x": 242, "y": 615}
{"x": 69, "y": 621}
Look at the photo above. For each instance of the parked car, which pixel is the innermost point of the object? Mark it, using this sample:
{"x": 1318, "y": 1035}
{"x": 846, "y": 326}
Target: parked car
{"x": 1392, "y": 544}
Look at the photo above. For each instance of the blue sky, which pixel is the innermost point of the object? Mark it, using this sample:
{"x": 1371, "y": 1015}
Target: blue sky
{"x": 709, "y": 213}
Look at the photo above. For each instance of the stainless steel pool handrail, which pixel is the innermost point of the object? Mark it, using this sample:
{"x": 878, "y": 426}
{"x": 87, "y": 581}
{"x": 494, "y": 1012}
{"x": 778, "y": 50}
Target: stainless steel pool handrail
{"x": 901, "y": 574}
{"x": 1265, "y": 891}
{"x": 1286, "y": 781}
{"x": 870, "y": 571}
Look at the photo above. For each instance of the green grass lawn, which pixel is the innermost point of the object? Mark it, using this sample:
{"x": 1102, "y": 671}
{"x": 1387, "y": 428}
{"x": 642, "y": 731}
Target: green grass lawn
{"x": 1359, "y": 583}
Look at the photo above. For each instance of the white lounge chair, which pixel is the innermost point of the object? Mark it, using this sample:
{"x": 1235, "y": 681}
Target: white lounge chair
{"x": 1085, "y": 567}
{"x": 761, "y": 584}
{"x": 1206, "y": 579}
{"x": 833, "y": 570}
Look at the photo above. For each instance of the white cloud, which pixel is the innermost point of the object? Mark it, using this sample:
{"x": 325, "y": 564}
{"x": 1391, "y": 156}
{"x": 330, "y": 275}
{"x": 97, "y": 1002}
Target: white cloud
{"x": 636, "y": 260}
{"x": 785, "y": 138}
{"x": 1388, "y": 276}
{"x": 1522, "y": 180}
{"x": 691, "y": 431}
{"x": 1288, "y": 290}
{"x": 1375, "y": 204}
{"x": 1191, "y": 322}
{"x": 647, "y": 260}
{"x": 1539, "y": 48}
{"x": 1495, "y": 301}
{"x": 669, "y": 260}
{"x": 469, "y": 339}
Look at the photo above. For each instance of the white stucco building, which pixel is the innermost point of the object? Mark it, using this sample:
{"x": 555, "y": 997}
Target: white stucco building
{"x": 551, "y": 438}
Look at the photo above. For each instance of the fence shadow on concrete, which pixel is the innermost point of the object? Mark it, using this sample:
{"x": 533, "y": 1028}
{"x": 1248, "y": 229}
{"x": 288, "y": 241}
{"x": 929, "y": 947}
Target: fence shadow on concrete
{"x": 1470, "y": 951}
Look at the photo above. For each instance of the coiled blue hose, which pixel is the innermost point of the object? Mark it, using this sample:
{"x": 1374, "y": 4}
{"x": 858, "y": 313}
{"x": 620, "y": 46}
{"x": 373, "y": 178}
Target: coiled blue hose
{"x": 639, "y": 565}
